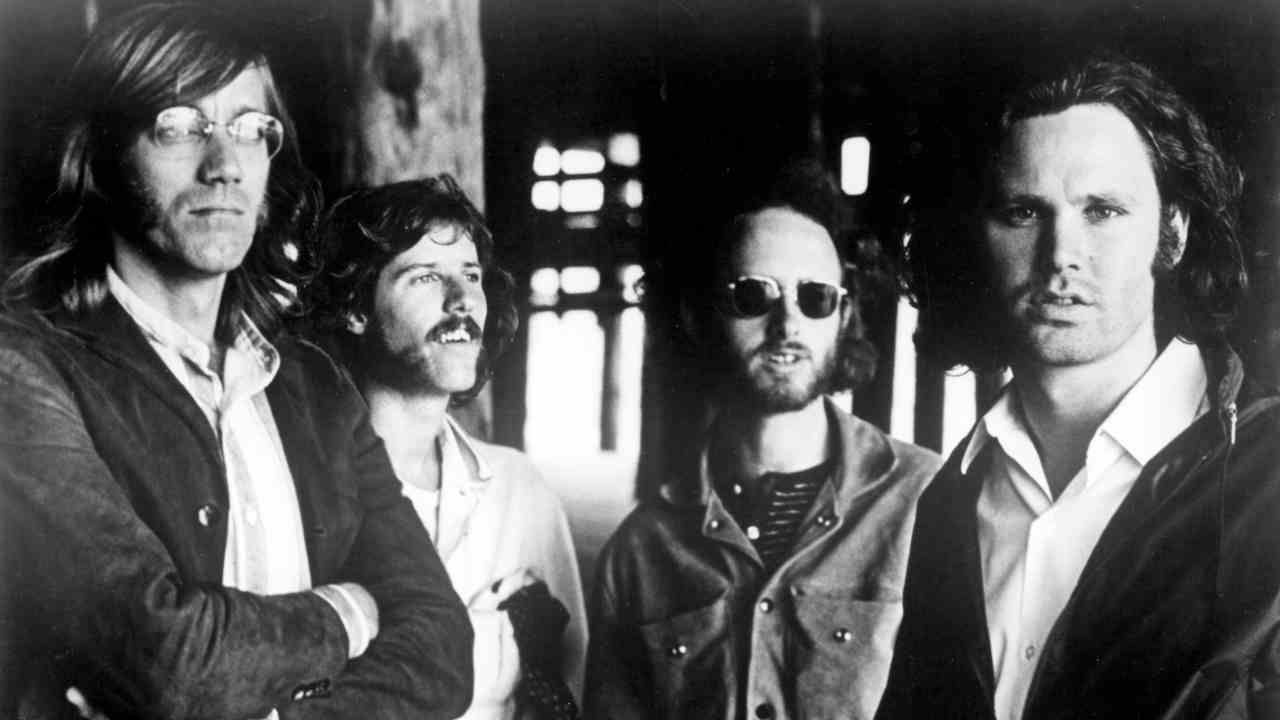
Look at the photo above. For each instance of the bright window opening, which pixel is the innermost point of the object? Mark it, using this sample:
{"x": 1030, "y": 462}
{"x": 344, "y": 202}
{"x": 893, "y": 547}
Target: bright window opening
{"x": 629, "y": 277}
{"x": 581, "y": 195}
{"x": 565, "y": 384}
{"x": 546, "y": 195}
{"x": 546, "y": 161}
{"x": 633, "y": 193}
{"x": 624, "y": 149}
{"x": 544, "y": 286}
{"x": 855, "y": 165}
{"x": 959, "y": 407}
{"x": 902, "y": 413}
{"x": 580, "y": 279}
{"x": 581, "y": 161}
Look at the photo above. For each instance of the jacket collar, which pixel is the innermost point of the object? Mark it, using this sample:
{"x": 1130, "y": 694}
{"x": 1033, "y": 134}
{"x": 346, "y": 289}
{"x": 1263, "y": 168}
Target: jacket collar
{"x": 864, "y": 457}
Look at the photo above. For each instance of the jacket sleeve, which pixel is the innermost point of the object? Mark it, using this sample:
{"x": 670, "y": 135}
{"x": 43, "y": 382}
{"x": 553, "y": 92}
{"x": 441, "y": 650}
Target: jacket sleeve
{"x": 92, "y": 597}
{"x": 419, "y": 665}
{"x": 612, "y": 665}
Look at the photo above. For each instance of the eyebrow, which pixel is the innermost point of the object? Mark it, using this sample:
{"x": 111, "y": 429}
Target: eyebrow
{"x": 414, "y": 267}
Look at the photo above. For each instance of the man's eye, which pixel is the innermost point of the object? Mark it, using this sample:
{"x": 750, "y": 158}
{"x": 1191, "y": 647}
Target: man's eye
{"x": 1102, "y": 212}
{"x": 473, "y": 276}
{"x": 1019, "y": 214}
{"x": 425, "y": 278}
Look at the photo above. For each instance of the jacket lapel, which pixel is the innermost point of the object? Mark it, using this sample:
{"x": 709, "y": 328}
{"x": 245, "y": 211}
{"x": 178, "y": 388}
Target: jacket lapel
{"x": 112, "y": 335}
{"x": 974, "y": 609}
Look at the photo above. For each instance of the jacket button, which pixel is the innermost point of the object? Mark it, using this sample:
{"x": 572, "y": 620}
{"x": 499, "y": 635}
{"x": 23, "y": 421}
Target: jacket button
{"x": 207, "y": 515}
{"x": 826, "y": 520}
{"x": 677, "y": 651}
{"x": 766, "y": 605}
{"x": 764, "y": 711}
{"x": 713, "y": 525}
{"x": 842, "y": 635}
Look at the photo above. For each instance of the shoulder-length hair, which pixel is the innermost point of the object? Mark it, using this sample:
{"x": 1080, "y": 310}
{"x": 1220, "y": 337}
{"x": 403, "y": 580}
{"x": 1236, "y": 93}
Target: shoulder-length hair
{"x": 133, "y": 66}
{"x": 365, "y": 231}
{"x": 1196, "y": 297}
{"x": 801, "y": 185}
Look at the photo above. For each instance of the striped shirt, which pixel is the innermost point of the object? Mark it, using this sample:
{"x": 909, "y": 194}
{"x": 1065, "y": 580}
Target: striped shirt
{"x": 771, "y": 514}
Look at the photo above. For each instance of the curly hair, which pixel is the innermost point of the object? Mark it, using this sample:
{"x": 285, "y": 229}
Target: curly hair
{"x": 805, "y": 187}
{"x": 133, "y": 66}
{"x": 1196, "y": 298}
{"x": 365, "y": 231}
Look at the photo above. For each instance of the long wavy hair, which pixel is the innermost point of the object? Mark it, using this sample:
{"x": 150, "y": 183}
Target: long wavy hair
{"x": 365, "y": 231}
{"x": 1196, "y": 297}
{"x": 134, "y": 65}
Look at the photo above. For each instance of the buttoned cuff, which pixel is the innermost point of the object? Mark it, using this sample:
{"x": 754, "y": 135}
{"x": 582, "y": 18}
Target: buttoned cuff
{"x": 360, "y": 627}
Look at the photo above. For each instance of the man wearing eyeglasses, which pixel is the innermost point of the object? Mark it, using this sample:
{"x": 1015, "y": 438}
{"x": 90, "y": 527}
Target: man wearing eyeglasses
{"x": 196, "y": 517}
{"x": 765, "y": 579}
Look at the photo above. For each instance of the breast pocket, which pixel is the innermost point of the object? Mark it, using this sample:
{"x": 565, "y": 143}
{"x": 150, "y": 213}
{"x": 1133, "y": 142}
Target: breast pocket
{"x": 691, "y": 662}
{"x": 842, "y": 649}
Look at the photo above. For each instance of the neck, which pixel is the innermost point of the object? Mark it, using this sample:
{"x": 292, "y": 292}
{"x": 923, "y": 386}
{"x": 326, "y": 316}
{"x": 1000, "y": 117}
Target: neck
{"x": 1064, "y": 405}
{"x": 409, "y": 426}
{"x": 752, "y": 443}
{"x": 191, "y": 302}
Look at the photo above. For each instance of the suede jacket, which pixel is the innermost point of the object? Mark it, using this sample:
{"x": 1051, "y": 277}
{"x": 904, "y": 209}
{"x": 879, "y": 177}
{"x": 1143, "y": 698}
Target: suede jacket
{"x": 1176, "y": 613}
{"x": 685, "y": 623}
{"x": 113, "y": 505}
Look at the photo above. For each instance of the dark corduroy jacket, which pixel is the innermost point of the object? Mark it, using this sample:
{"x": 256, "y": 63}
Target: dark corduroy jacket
{"x": 1176, "y": 613}
{"x": 113, "y": 506}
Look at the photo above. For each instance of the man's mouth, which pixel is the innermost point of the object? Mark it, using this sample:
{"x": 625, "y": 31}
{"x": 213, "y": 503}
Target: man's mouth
{"x": 217, "y": 210}
{"x": 785, "y": 355}
{"x": 1053, "y": 299}
{"x": 456, "y": 331}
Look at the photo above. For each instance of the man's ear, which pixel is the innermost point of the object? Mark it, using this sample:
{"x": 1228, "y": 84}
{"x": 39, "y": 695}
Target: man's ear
{"x": 1180, "y": 223}
{"x": 356, "y": 323}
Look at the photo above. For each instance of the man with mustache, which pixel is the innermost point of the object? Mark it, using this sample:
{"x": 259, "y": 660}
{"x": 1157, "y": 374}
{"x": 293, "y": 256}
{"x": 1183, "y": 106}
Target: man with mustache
{"x": 412, "y": 300}
{"x": 1103, "y": 543}
{"x": 764, "y": 580}
{"x": 196, "y": 517}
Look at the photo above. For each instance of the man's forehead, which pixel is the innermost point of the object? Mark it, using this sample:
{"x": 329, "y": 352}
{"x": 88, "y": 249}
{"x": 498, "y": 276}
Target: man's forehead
{"x": 777, "y": 237}
{"x": 1093, "y": 141}
{"x": 440, "y": 244}
{"x": 246, "y": 91}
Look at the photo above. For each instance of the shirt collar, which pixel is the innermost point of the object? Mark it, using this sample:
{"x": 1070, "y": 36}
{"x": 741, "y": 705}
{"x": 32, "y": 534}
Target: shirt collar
{"x": 163, "y": 331}
{"x": 1000, "y": 421}
{"x": 453, "y": 442}
{"x": 1175, "y": 383}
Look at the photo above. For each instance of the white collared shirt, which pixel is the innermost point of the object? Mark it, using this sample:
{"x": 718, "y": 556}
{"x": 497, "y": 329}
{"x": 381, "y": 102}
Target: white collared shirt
{"x": 1033, "y": 547}
{"x": 266, "y": 551}
{"x": 486, "y": 527}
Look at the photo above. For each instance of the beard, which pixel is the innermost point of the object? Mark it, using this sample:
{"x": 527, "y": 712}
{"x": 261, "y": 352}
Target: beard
{"x": 754, "y": 387}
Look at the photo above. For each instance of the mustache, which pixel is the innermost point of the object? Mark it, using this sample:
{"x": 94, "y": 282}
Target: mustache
{"x": 453, "y": 323}
{"x": 770, "y": 347}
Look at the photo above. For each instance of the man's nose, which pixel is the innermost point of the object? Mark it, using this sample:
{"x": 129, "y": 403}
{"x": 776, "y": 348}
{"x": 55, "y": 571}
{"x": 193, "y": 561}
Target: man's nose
{"x": 460, "y": 296}
{"x": 784, "y": 317}
{"x": 221, "y": 159}
{"x": 1064, "y": 244}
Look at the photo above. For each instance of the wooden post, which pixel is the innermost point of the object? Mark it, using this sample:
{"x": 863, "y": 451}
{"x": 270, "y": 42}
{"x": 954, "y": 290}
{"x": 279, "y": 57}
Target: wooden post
{"x": 418, "y": 82}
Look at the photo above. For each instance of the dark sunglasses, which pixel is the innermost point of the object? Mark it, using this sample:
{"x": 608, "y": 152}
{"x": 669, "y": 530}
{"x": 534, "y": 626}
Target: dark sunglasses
{"x": 755, "y": 295}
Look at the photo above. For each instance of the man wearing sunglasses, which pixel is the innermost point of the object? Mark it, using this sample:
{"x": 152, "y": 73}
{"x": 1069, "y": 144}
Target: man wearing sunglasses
{"x": 196, "y": 517}
{"x": 764, "y": 580}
